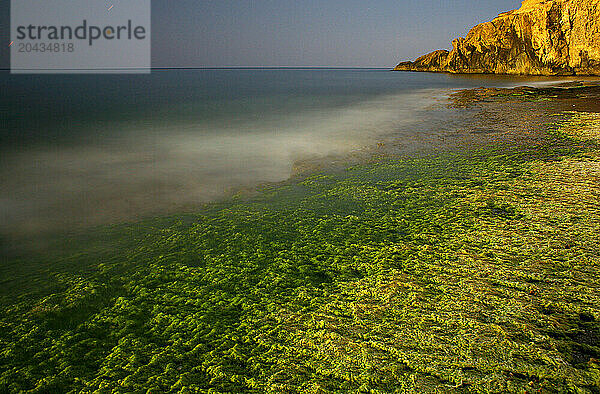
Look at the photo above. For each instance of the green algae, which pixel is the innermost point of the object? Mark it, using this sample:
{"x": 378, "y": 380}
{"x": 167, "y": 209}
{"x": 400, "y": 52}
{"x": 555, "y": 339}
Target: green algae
{"x": 472, "y": 271}
{"x": 581, "y": 125}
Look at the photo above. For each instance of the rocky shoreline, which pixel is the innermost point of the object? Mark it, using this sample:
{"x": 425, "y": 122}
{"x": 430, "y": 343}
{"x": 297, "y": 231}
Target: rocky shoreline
{"x": 556, "y": 37}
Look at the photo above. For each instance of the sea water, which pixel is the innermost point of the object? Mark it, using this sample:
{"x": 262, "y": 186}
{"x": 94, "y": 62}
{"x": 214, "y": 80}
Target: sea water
{"x": 83, "y": 150}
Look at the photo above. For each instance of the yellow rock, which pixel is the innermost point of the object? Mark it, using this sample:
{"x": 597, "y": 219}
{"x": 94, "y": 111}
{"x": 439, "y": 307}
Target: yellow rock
{"x": 543, "y": 37}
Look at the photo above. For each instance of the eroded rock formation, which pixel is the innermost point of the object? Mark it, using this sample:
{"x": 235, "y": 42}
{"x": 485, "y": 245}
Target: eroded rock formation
{"x": 543, "y": 37}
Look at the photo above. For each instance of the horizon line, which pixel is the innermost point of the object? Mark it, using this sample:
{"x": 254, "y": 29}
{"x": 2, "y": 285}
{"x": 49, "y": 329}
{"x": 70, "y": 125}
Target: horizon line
{"x": 217, "y": 68}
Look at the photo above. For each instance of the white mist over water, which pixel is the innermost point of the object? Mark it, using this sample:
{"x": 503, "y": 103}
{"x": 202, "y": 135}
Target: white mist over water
{"x": 80, "y": 151}
{"x": 147, "y": 169}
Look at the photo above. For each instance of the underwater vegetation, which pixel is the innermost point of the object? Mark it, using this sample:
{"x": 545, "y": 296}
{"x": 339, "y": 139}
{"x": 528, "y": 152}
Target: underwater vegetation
{"x": 460, "y": 271}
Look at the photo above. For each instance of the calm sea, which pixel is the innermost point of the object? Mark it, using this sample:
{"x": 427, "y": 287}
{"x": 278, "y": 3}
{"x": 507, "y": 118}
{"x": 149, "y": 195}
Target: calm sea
{"x": 81, "y": 150}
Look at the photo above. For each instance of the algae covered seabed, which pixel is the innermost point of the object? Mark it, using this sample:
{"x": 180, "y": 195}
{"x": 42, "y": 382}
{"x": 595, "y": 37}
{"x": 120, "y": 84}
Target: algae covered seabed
{"x": 471, "y": 269}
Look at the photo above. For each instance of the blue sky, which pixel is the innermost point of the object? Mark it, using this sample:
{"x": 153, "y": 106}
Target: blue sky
{"x": 201, "y": 33}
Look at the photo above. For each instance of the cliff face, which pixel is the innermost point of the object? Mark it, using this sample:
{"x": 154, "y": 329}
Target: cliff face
{"x": 543, "y": 37}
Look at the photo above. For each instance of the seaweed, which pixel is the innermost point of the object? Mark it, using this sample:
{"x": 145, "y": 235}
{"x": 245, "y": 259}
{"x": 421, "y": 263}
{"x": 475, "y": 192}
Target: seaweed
{"x": 463, "y": 271}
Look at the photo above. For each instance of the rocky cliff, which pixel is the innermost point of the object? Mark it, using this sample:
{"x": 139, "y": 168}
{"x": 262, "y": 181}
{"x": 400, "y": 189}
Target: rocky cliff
{"x": 543, "y": 37}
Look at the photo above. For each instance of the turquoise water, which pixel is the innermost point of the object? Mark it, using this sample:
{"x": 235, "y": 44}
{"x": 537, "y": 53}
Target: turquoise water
{"x": 82, "y": 150}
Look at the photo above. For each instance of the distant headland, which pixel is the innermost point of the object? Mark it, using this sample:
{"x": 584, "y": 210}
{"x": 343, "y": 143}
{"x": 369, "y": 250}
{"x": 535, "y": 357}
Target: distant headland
{"x": 543, "y": 37}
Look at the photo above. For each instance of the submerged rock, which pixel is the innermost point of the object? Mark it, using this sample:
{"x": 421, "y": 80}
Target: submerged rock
{"x": 543, "y": 37}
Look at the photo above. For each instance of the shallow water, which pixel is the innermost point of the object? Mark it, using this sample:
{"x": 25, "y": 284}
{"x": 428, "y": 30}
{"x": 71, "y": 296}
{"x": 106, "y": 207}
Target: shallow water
{"x": 82, "y": 150}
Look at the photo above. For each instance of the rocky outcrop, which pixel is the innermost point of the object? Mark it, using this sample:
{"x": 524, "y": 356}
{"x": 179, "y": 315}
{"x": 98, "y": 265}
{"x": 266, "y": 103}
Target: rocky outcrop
{"x": 543, "y": 37}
